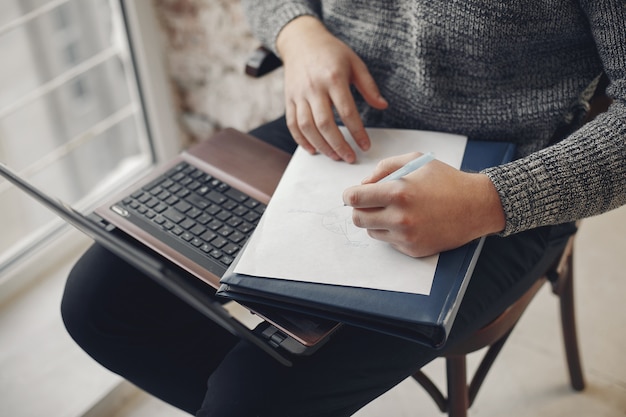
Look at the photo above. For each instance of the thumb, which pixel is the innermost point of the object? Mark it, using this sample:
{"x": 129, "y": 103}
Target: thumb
{"x": 389, "y": 165}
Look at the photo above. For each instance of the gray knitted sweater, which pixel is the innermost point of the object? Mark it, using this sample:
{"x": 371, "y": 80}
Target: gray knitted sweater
{"x": 495, "y": 70}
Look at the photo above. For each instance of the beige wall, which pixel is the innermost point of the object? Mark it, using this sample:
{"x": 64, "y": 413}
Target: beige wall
{"x": 208, "y": 42}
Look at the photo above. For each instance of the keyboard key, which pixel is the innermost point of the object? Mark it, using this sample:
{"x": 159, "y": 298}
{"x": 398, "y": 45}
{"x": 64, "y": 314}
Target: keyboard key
{"x": 167, "y": 183}
{"x": 174, "y": 215}
{"x": 236, "y": 236}
{"x": 182, "y": 206}
{"x": 203, "y": 190}
{"x": 223, "y": 216}
{"x": 164, "y": 195}
{"x": 208, "y": 236}
{"x": 197, "y": 230}
{"x": 213, "y": 209}
{"x": 215, "y": 224}
{"x": 245, "y": 228}
{"x": 230, "y": 249}
{"x": 236, "y": 195}
{"x": 171, "y": 200}
{"x": 156, "y": 190}
{"x": 204, "y": 218}
{"x": 225, "y": 231}
{"x": 219, "y": 242}
{"x": 193, "y": 213}
{"x": 252, "y": 217}
{"x": 226, "y": 260}
{"x": 144, "y": 197}
{"x": 216, "y": 197}
{"x": 240, "y": 211}
{"x": 152, "y": 202}
{"x": 174, "y": 188}
{"x": 193, "y": 185}
{"x": 198, "y": 201}
{"x": 251, "y": 203}
{"x": 183, "y": 192}
{"x": 196, "y": 174}
{"x": 177, "y": 177}
{"x": 234, "y": 221}
{"x": 187, "y": 224}
{"x": 160, "y": 208}
{"x": 229, "y": 205}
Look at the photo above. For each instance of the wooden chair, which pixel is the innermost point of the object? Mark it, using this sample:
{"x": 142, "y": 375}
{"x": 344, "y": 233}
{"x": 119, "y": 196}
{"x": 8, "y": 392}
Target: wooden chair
{"x": 460, "y": 394}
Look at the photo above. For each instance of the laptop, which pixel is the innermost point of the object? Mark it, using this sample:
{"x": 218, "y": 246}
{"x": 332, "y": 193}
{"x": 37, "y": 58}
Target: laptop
{"x": 183, "y": 225}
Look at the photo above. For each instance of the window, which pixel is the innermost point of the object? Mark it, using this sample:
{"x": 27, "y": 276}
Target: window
{"x": 71, "y": 117}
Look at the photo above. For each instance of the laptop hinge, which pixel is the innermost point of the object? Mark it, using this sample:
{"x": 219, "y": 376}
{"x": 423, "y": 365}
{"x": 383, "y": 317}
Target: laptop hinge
{"x": 274, "y": 337}
{"x": 101, "y": 222}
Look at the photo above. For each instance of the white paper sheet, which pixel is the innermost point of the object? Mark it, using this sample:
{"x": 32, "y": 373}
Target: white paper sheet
{"x": 306, "y": 233}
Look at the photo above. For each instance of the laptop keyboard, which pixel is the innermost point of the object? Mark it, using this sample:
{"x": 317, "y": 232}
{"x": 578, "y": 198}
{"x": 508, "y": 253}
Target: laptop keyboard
{"x": 207, "y": 216}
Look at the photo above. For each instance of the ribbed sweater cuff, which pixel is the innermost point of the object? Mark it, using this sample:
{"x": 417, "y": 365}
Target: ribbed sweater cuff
{"x": 267, "y": 25}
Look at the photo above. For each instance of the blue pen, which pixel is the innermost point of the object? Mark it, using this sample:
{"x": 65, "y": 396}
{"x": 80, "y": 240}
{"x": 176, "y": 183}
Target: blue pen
{"x": 409, "y": 167}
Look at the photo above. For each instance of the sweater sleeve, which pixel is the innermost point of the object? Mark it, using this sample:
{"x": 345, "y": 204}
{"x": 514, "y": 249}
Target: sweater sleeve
{"x": 268, "y": 17}
{"x": 585, "y": 174}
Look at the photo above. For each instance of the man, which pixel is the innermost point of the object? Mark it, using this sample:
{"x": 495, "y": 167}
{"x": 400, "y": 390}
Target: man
{"x": 511, "y": 71}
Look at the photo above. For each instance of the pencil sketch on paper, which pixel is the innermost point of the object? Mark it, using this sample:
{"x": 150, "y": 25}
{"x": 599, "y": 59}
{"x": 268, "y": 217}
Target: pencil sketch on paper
{"x": 338, "y": 220}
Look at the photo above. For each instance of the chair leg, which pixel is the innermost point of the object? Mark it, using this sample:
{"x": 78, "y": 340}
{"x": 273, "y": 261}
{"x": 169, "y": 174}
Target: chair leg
{"x": 568, "y": 323}
{"x": 458, "y": 397}
{"x": 432, "y": 390}
{"x": 485, "y": 366}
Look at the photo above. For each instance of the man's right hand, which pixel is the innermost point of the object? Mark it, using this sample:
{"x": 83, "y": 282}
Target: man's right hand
{"x": 319, "y": 70}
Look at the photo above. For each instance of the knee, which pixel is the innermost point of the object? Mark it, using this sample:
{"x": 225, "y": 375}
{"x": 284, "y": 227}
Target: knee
{"x": 88, "y": 298}
{"x": 77, "y": 303}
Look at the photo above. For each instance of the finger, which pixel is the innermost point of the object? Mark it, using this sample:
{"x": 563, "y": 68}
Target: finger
{"x": 398, "y": 241}
{"x": 348, "y": 113}
{"x": 367, "y": 87}
{"x": 307, "y": 126}
{"x": 368, "y": 196}
{"x": 292, "y": 125}
{"x": 327, "y": 127}
{"x": 380, "y": 234}
{"x": 370, "y": 219}
{"x": 408, "y": 248}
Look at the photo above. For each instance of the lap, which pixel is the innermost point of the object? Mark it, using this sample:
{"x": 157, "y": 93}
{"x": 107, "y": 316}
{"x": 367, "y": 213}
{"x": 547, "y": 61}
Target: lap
{"x": 141, "y": 331}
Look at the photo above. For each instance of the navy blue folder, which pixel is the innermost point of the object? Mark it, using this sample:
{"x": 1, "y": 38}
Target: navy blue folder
{"x": 424, "y": 319}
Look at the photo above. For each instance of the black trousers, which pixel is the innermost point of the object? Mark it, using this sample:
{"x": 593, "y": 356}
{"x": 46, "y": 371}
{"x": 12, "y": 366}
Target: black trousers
{"x": 140, "y": 331}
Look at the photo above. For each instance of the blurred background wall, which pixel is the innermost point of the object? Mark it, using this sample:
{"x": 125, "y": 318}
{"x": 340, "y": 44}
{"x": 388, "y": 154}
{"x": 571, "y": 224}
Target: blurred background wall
{"x": 207, "y": 44}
